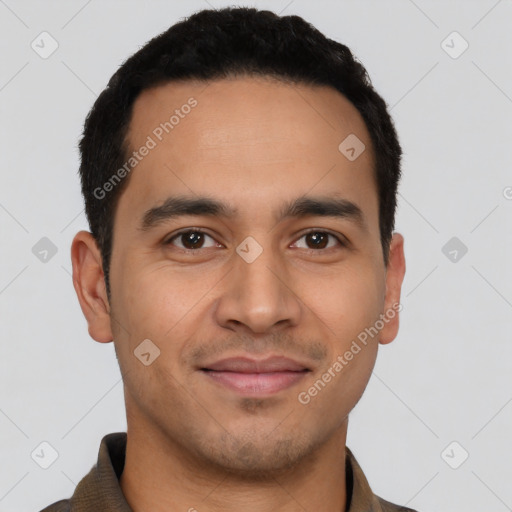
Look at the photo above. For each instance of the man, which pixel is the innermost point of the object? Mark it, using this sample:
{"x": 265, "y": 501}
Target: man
{"x": 240, "y": 177}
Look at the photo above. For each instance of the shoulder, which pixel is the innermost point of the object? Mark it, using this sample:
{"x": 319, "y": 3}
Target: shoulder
{"x": 362, "y": 496}
{"x": 387, "y": 506}
{"x": 58, "y": 506}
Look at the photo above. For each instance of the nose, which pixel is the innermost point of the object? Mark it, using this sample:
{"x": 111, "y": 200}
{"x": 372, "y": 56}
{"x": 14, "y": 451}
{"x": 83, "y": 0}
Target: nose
{"x": 258, "y": 296}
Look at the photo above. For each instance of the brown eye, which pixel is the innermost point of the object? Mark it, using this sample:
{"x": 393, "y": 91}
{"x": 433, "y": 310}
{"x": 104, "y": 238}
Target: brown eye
{"x": 318, "y": 240}
{"x": 190, "y": 240}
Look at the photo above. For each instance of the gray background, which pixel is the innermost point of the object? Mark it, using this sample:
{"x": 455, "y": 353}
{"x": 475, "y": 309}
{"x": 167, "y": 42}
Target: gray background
{"x": 447, "y": 376}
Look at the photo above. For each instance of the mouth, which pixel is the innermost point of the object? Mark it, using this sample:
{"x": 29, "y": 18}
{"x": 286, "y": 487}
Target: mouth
{"x": 250, "y": 377}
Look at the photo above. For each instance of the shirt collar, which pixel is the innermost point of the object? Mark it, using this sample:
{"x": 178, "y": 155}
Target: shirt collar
{"x": 100, "y": 489}
{"x": 360, "y": 497}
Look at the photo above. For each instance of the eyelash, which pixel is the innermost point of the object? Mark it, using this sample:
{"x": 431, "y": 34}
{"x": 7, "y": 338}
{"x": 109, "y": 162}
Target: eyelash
{"x": 338, "y": 238}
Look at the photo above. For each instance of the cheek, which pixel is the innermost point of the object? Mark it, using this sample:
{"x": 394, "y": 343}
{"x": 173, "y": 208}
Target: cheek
{"x": 159, "y": 302}
{"x": 156, "y": 305}
{"x": 346, "y": 302}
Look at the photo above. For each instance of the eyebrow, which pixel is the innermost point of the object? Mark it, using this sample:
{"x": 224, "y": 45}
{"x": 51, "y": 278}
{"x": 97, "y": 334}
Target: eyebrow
{"x": 304, "y": 206}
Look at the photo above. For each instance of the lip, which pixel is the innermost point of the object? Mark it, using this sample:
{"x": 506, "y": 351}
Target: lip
{"x": 250, "y": 365}
{"x": 253, "y": 377}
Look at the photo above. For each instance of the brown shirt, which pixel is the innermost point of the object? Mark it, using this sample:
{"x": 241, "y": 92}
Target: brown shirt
{"x": 99, "y": 490}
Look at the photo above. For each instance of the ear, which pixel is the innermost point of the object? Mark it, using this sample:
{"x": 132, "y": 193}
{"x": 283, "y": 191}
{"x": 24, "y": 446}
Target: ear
{"x": 89, "y": 283}
{"x": 395, "y": 272}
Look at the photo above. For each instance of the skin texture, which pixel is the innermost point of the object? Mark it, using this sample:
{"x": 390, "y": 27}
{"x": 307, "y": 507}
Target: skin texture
{"x": 253, "y": 143}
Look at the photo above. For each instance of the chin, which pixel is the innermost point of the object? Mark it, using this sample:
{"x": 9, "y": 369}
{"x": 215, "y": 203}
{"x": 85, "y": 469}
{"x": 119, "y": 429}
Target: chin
{"x": 257, "y": 459}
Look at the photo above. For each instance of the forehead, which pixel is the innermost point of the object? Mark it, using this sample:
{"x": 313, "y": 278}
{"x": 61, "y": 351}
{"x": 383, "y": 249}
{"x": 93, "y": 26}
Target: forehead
{"x": 246, "y": 140}
{"x": 247, "y": 109}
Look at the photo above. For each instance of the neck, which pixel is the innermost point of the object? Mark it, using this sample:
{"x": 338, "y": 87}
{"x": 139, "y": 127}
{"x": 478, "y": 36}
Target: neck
{"x": 158, "y": 476}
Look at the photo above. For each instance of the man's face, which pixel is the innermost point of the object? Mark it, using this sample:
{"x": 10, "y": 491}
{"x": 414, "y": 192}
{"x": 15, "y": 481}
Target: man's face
{"x": 252, "y": 286}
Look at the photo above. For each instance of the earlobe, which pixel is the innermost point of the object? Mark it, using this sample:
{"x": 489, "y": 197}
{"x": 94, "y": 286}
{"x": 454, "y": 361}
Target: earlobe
{"x": 394, "y": 277}
{"x": 89, "y": 284}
